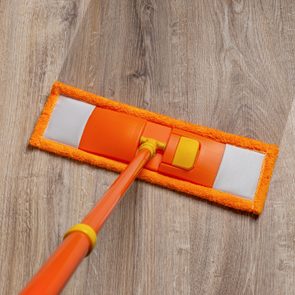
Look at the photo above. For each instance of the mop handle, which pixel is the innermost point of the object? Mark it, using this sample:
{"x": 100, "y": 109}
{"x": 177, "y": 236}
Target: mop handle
{"x": 81, "y": 238}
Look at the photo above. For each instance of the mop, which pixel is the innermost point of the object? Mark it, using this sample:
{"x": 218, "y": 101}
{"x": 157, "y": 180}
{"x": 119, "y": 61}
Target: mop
{"x": 224, "y": 168}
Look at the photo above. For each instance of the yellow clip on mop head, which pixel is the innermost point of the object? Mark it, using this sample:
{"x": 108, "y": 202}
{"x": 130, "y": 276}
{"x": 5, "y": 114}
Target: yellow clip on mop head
{"x": 224, "y": 168}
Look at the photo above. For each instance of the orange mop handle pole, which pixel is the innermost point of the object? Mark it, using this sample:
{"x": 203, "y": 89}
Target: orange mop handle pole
{"x": 81, "y": 238}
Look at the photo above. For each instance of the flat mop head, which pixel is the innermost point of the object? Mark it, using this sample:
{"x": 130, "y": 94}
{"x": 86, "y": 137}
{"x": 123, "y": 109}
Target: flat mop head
{"x": 224, "y": 168}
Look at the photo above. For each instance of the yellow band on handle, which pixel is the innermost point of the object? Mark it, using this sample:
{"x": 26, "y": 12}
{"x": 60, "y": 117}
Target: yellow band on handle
{"x": 85, "y": 229}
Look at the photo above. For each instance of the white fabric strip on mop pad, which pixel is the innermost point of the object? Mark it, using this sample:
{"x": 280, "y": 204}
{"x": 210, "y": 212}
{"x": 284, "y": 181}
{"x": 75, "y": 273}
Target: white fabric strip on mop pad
{"x": 239, "y": 171}
{"x": 68, "y": 120}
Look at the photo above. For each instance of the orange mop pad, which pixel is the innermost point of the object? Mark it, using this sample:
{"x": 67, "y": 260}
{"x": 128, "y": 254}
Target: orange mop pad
{"x": 224, "y": 168}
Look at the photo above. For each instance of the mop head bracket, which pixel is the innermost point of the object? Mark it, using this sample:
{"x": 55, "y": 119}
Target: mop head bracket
{"x": 151, "y": 144}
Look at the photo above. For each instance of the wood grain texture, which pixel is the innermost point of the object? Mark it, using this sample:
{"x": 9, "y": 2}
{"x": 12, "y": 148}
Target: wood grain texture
{"x": 224, "y": 64}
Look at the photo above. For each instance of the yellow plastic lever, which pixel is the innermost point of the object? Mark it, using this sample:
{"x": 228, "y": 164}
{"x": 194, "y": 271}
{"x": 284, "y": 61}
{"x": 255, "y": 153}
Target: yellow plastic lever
{"x": 186, "y": 153}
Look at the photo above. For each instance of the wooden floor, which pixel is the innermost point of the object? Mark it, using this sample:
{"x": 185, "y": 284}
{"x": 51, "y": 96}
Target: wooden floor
{"x": 224, "y": 64}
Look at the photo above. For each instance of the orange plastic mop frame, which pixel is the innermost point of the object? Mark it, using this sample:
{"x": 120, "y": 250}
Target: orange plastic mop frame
{"x": 253, "y": 206}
